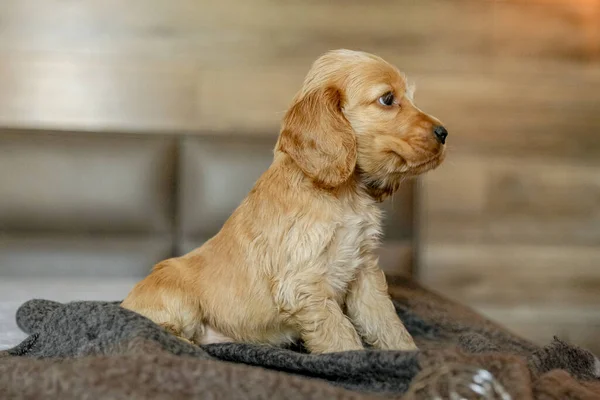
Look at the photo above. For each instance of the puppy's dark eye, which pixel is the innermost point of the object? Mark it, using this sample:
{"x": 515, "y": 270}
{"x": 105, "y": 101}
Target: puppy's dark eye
{"x": 387, "y": 99}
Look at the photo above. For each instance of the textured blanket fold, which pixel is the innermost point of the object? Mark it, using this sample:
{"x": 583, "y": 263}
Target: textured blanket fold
{"x": 98, "y": 350}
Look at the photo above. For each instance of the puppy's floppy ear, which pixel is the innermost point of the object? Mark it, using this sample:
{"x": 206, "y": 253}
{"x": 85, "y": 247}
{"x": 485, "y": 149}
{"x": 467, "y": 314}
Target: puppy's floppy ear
{"x": 317, "y": 136}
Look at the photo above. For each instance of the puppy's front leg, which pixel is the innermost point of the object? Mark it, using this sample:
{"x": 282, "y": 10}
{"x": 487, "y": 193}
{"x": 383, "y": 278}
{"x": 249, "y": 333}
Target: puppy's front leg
{"x": 373, "y": 313}
{"x": 325, "y": 329}
{"x": 321, "y": 322}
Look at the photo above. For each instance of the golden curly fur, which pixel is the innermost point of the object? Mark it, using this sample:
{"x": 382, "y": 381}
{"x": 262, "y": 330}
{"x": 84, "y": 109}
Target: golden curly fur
{"x": 296, "y": 259}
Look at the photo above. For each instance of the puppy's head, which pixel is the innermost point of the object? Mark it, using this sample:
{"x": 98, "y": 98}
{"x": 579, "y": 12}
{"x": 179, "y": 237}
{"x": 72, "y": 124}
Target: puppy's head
{"x": 355, "y": 116}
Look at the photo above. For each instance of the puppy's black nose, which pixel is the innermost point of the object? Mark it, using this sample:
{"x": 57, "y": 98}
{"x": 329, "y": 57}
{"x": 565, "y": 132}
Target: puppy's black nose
{"x": 440, "y": 134}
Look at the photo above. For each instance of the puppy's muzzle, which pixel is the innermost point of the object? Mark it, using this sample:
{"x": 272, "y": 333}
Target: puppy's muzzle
{"x": 440, "y": 134}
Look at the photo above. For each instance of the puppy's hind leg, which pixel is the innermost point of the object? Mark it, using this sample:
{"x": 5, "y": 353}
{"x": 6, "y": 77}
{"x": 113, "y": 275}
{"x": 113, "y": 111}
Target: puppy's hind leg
{"x": 172, "y": 329}
{"x": 183, "y": 321}
{"x": 166, "y": 298}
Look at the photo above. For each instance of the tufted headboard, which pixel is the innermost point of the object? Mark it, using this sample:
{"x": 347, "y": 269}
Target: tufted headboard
{"x": 106, "y": 205}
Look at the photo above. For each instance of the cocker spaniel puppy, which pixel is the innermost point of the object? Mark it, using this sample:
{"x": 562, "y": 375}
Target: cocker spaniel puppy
{"x": 296, "y": 260}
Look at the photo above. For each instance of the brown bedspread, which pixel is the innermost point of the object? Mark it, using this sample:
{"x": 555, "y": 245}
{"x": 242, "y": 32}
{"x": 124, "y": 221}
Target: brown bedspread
{"x": 97, "y": 350}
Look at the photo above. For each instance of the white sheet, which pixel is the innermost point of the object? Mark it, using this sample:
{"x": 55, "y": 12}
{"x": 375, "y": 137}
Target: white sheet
{"x": 13, "y": 292}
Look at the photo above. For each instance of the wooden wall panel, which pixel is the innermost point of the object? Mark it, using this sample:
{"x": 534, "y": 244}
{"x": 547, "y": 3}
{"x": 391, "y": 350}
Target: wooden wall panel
{"x": 72, "y": 92}
{"x": 194, "y": 65}
{"x": 271, "y": 29}
{"x": 540, "y": 324}
{"x": 517, "y": 239}
{"x": 491, "y": 199}
{"x": 513, "y": 274}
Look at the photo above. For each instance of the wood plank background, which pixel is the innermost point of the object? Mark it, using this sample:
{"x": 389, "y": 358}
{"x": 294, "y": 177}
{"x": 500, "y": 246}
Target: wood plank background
{"x": 510, "y": 224}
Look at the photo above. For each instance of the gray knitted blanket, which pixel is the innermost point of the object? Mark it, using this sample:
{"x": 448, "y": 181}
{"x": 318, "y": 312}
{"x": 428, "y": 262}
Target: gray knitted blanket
{"x": 98, "y": 350}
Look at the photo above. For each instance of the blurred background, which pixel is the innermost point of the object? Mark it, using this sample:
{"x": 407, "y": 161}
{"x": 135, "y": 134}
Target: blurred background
{"x": 129, "y": 131}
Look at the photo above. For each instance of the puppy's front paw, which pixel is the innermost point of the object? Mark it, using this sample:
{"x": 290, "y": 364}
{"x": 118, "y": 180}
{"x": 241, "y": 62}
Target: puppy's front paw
{"x": 339, "y": 348}
{"x": 408, "y": 346}
{"x": 401, "y": 347}
{"x": 402, "y": 342}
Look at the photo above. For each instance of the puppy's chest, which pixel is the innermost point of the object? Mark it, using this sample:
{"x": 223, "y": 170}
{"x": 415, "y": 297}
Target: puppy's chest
{"x": 354, "y": 242}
